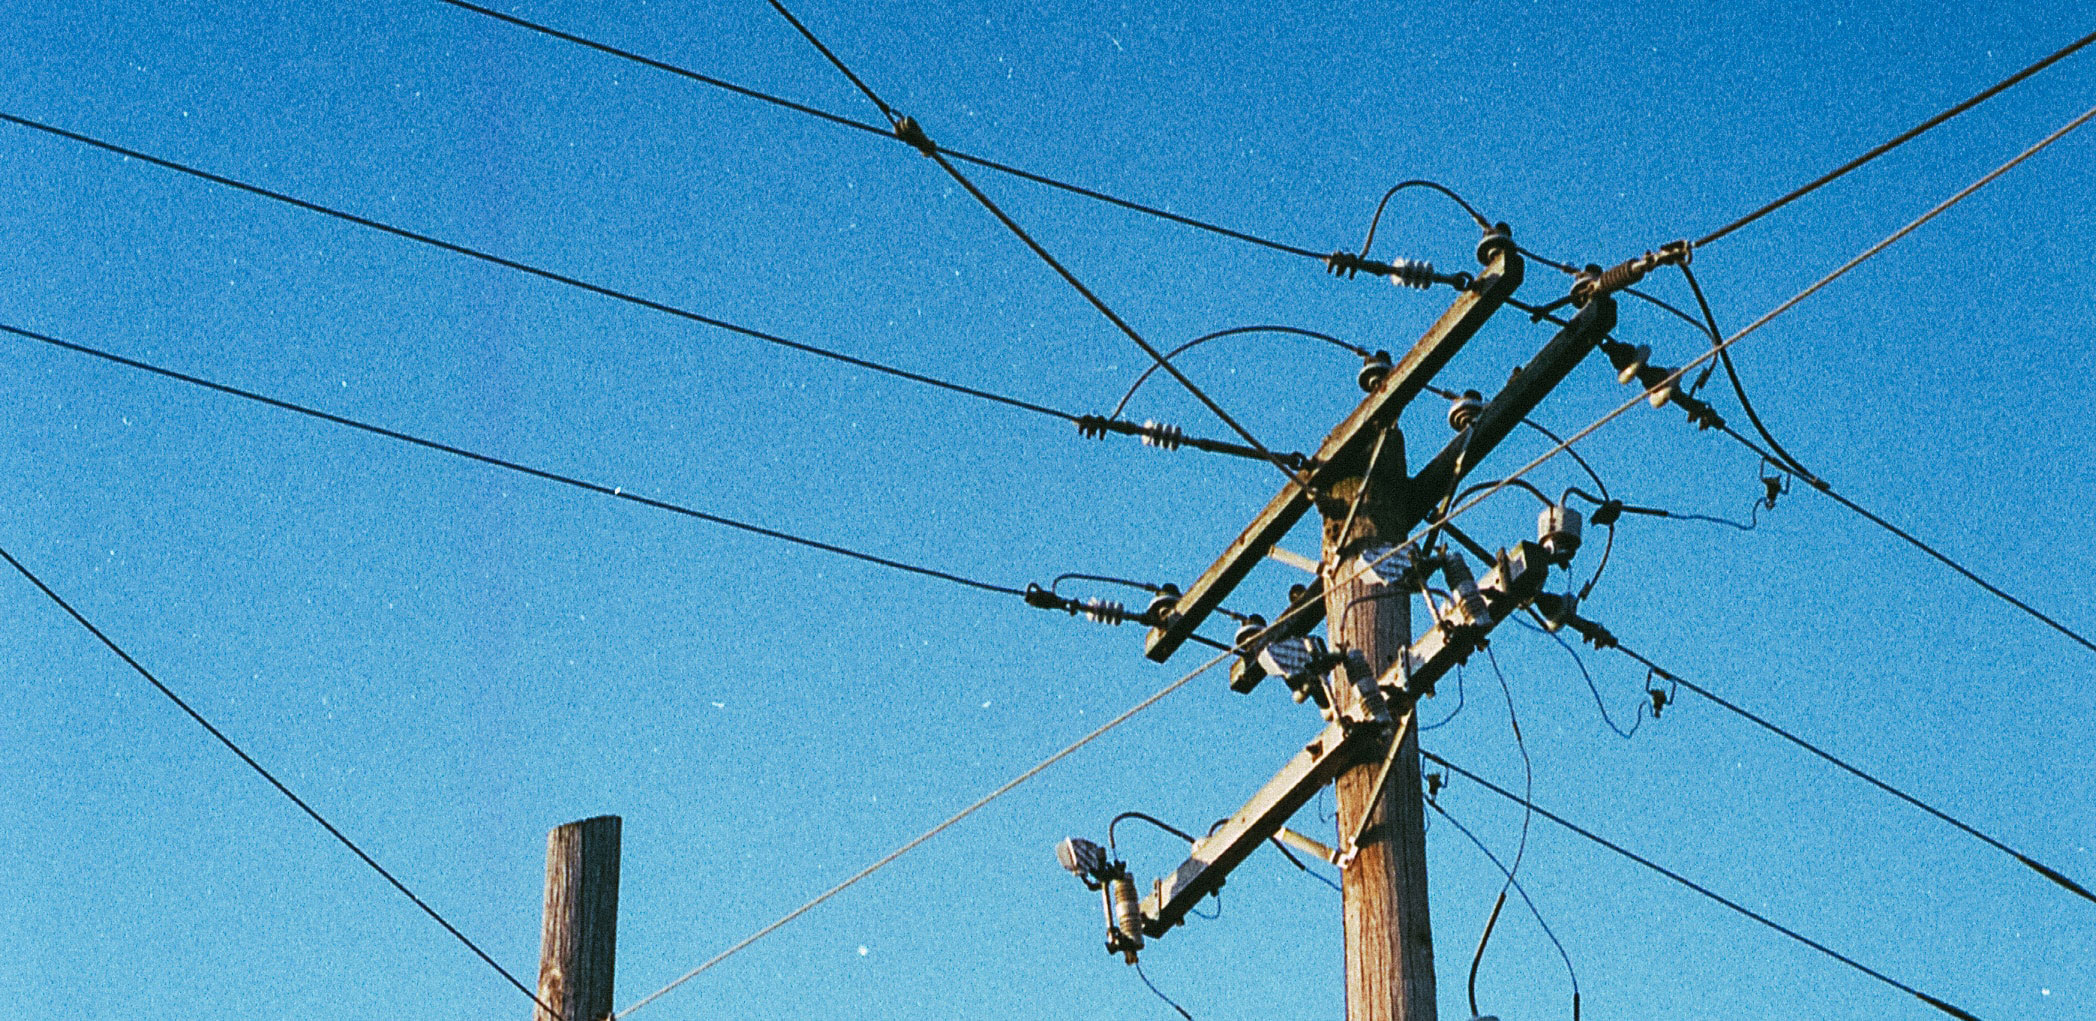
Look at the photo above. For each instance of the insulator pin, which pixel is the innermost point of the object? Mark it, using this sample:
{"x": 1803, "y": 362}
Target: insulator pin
{"x": 1374, "y": 369}
{"x": 1464, "y": 410}
{"x": 1414, "y": 273}
{"x": 1163, "y": 435}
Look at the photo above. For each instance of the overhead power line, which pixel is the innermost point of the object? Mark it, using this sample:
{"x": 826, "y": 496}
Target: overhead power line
{"x": 1677, "y": 877}
{"x": 265, "y": 774}
{"x": 544, "y": 274}
{"x": 1673, "y": 379}
{"x": 885, "y": 860}
{"x": 617, "y": 492}
{"x": 2052, "y": 874}
{"x": 1910, "y": 539}
{"x": 878, "y": 131}
{"x": 1898, "y": 140}
{"x": 908, "y": 130}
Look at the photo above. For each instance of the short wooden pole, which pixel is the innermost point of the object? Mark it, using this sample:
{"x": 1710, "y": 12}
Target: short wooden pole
{"x": 578, "y": 943}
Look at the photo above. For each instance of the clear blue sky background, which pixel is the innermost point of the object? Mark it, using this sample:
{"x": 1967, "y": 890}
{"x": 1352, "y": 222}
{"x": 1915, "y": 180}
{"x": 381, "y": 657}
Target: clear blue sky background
{"x": 449, "y": 660}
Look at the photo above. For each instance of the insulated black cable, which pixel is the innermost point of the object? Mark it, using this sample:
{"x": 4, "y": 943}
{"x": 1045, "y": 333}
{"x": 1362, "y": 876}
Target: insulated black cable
{"x": 2033, "y": 864}
{"x": 1376, "y": 220}
{"x": 265, "y": 774}
{"x": 1648, "y": 863}
{"x": 1995, "y": 590}
{"x": 1144, "y": 817}
{"x": 550, "y": 476}
{"x": 543, "y": 274}
{"x": 1528, "y": 769}
{"x": 1218, "y": 335}
{"x": 1532, "y": 909}
{"x": 1899, "y": 140}
{"x": 1160, "y": 993}
{"x": 1637, "y": 717}
{"x": 1739, "y": 389}
{"x": 909, "y": 131}
{"x": 985, "y": 163}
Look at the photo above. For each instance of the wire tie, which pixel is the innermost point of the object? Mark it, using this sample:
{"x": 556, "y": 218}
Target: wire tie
{"x": 906, "y": 128}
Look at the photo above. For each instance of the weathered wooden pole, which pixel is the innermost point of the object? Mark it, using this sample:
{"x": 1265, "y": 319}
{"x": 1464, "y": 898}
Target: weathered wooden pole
{"x": 579, "y": 941}
{"x": 1389, "y": 942}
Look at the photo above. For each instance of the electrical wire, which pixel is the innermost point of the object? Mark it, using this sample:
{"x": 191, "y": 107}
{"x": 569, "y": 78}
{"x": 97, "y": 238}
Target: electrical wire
{"x": 1446, "y": 720}
{"x": 908, "y": 130}
{"x": 1901, "y": 139}
{"x": 1006, "y": 788}
{"x": 1218, "y": 335}
{"x": 265, "y": 774}
{"x": 544, "y": 274}
{"x": 1160, "y": 993}
{"x": 1525, "y": 899}
{"x": 1142, "y": 817}
{"x": 1528, "y": 769}
{"x": 872, "y": 129}
{"x": 1637, "y": 718}
{"x": 1678, "y": 878}
{"x": 617, "y": 492}
{"x": 1674, "y": 377}
{"x": 1475, "y": 216}
{"x": 2054, "y": 875}
{"x": 1784, "y": 460}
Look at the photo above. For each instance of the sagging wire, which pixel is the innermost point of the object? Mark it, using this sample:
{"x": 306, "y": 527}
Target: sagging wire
{"x": 1657, "y": 699}
{"x": 1160, "y": 993}
{"x": 1528, "y": 770}
{"x": 1525, "y": 899}
{"x": 1445, "y": 720}
{"x": 1404, "y": 272}
{"x": 1231, "y": 332}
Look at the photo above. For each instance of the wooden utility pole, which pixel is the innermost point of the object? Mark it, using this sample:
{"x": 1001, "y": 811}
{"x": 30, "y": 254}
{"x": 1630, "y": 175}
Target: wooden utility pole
{"x": 1389, "y": 941}
{"x": 578, "y": 943}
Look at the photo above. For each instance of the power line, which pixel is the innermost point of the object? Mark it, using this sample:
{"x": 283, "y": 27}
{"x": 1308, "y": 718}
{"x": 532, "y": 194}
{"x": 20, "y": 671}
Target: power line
{"x": 1901, "y": 139}
{"x": 617, "y": 492}
{"x": 2033, "y": 864}
{"x": 271, "y": 777}
{"x": 942, "y": 827}
{"x": 872, "y": 129}
{"x": 908, "y": 130}
{"x": 1910, "y": 539}
{"x": 544, "y": 274}
{"x": 1648, "y": 863}
{"x": 1674, "y": 378}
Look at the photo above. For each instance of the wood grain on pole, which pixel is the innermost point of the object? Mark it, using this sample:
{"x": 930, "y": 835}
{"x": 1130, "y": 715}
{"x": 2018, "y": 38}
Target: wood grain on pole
{"x": 578, "y": 944}
{"x": 1389, "y": 941}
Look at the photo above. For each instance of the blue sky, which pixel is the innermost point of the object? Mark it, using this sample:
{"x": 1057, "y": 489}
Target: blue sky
{"x": 448, "y": 660}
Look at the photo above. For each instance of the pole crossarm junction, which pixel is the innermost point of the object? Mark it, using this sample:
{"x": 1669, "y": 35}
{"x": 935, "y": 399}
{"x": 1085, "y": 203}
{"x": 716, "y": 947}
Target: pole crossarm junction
{"x": 1515, "y": 579}
{"x": 1342, "y": 452}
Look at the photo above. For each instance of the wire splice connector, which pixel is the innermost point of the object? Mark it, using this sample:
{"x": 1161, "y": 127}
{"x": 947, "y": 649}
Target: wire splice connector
{"x": 907, "y": 129}
{"x": 1594, "y": 281}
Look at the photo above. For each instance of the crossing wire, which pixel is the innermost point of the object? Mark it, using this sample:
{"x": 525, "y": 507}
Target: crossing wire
{"x": 2032, "y": 863}
{"x": 908, "y": 131}
{"x": 1901, "y": 139}
{"x": 1677, "y": 877}
{"x": 617, "y": 492}
{"x": 265, "y": 774}
{"x": 878, "y": 131}
{"x": 1674, "y": 378}
{"x": 544, "y": 274}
